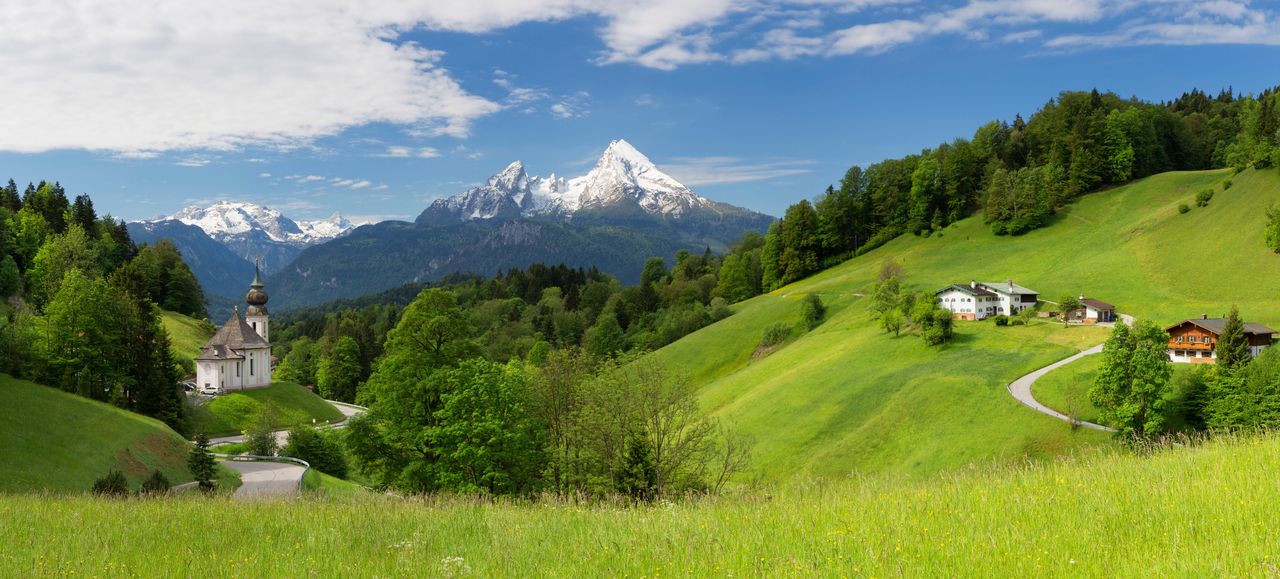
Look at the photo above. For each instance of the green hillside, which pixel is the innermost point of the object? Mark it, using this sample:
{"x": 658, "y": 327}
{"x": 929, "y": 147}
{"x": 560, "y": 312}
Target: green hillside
{"x": 1192, "y": 511}
{"x": 850, "y": 398}
{"x": 231, "y": 413}
{"x": 53, "y": 440}
{"x": 186, "y": 334}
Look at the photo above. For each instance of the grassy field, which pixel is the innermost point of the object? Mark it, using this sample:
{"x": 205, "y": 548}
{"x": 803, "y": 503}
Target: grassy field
{"x": 1067, "y": 389}
{"x": 232, "y": 413}
{"x": 52, "y": 440}
{"x": 848, "y": 398}
{"x": 322, "y": 484}
{"x": 1185, "y": 512}
{"x": 186, "y": 334}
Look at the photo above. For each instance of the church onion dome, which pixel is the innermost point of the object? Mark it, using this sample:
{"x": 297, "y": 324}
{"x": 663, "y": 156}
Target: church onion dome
{"x": 256, "y": 298}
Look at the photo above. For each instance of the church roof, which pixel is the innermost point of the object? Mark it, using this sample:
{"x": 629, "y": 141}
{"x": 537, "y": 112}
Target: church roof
{"x": 236, "y": 334}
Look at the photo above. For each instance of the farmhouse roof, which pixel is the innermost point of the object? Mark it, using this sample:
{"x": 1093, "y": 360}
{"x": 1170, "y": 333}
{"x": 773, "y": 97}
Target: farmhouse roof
{"x": 973, "y": 291}
{"x": 1097, "y": 304}
{"x": 1215, "y": 326}
{"x": 1007, "y": 287}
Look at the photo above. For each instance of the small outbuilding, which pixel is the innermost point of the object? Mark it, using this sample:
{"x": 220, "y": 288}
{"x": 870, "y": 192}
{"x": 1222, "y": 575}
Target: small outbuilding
{"x": 1093, "y": 311}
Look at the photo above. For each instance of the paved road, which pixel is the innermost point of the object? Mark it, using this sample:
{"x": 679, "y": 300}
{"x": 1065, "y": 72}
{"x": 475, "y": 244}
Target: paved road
{"x": 1021, "y": 388}
{"x": 275, "y": 479}
{"x": 267, "y": 479}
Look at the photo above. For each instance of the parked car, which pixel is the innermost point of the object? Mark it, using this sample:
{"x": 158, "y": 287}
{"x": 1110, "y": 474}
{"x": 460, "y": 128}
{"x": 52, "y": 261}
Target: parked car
{"x": 210, "y": 390}
{"x": 188, "y": 385}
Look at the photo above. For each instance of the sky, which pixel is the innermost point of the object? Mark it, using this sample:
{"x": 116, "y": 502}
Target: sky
{"x": 375, "y": 108}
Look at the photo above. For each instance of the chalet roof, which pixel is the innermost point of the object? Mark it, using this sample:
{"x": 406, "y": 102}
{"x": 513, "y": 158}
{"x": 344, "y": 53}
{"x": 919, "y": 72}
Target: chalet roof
{"x": 1008, "y": 288}
{"x": 1097, "y": 304}
{"x": 237, "y": 334}
{"x": 973, "y": 291}
{"x": 1215, "y": 326}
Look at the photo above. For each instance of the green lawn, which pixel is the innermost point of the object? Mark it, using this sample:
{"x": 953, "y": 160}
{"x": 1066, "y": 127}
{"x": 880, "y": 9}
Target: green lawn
{"x": 1193, "y": 511}
{"x": 186, "y": 335}
{"x": 1067, "y": 389}
{"x": 56, "y": 441}
{"x": 232, "y": 413}
{"x": 848, "y": 398}
{"x": 322, "y": 484}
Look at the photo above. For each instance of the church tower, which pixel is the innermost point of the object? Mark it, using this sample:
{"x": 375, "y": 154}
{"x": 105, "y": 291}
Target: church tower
{"x": 256, "y": 313}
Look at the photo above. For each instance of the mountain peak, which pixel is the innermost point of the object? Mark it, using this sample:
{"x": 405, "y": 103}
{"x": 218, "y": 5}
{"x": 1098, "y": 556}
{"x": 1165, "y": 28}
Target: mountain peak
{"x": 621, "y": 149}
{"x": 509, "y": 178}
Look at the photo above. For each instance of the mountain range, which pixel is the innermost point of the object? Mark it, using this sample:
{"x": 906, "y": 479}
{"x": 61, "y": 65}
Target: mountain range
{"x": 622, "y": 212}
{"x": 222, "y": 241}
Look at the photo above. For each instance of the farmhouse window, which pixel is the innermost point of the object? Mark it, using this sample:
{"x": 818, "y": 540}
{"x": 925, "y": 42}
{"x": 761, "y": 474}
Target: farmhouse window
{"x": 1179, "y": 339}
{"x": 1206, "y": 339}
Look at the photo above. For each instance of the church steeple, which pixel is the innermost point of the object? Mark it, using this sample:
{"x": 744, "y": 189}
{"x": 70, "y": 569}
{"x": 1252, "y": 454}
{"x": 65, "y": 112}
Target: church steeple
{"x": 256, "y": 313}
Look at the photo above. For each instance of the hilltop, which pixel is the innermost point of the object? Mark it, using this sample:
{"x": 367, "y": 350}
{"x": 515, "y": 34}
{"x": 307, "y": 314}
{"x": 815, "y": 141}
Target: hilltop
{"x": 849, "y": 398}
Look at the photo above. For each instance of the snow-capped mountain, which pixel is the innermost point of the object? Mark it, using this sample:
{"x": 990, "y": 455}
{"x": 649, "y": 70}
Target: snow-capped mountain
{"x": 229, "y": 219}
{"x": 622, "y": 177}
{"x": 255, "y": 231}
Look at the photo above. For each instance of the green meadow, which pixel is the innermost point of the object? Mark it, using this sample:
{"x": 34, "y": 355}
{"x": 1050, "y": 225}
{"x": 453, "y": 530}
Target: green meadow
{"x": 847, "y": 398}
{"x": 56, "y": 441}
{"x": 1187, "y": 511}
{"x": 186, "y": 334}
{"x": 232, "y": 413}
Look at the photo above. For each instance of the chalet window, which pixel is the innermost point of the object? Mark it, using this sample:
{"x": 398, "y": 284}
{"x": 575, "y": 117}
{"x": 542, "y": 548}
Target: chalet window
{"x": 1206, "y": 339}
{"x": 1179, "y": 340}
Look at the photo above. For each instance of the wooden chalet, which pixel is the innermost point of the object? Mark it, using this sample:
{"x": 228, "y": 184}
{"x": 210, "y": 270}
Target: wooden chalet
{"x": 1195, "y": 341}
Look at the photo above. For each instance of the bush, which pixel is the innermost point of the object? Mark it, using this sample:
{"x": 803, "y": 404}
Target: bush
{"x": 1001, "y": 320}
{"x": 320, "y": 449}
{"x": 1226, "y": 184}
{"x": 812, "y": 311}
{"x": 1203, "y": 198}
{"x": 113, "y": 484}
{"x": 775, "y": 334}
{"x": 156, "y": 484}
{"x": 719, "y": 309}
{"x": 1184, "y": 208}
{"x": 260, "y": 438}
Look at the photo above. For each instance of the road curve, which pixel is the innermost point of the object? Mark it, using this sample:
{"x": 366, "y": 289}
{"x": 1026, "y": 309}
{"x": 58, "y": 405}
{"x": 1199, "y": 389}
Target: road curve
{"x": 1021, "y": 388}
{"x": 267, "y": 479}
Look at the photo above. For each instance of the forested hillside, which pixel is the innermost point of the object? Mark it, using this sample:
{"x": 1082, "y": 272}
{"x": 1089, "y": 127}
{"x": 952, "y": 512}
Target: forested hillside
{"x": 1019, "y": 174}
{"x": 84, "y": 302}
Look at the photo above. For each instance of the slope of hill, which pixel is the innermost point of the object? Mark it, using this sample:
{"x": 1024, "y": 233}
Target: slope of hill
{"x": 1192, "y": 511}
{"x": 57, "y": 441}
{"x": 186, "y": 335}
{"x": 848, "y": 397}
{"x": 232, "y": 413}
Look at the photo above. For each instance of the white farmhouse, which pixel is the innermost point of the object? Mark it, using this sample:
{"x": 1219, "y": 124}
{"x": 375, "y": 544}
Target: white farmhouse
{"x": 239, "y": 356}
{"x": 979, "y": 300}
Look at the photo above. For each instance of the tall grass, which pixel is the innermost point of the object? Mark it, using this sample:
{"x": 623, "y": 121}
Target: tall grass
{"x": 1188, "y": 511}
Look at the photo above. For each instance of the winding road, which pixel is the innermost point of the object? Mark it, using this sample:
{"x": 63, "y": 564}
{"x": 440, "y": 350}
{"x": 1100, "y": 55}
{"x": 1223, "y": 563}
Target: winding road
{"x": 1020, "y": 389}
{"x": 265, "y": 479}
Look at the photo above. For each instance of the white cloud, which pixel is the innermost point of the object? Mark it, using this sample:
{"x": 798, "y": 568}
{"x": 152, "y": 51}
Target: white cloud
{"x": 194, "y": 161}
{"x": 695, "y": 171}
{"x": 397, "y": 151}
{"x": 310, "y": 179}
{"x": 572, "y": 106}
{"x": 264, "y": 175}
{"x": 403, "y": 152}
{"x": 360, "y": 184}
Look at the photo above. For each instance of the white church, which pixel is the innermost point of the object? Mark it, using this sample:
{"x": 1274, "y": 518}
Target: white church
{"x": 238, "y": 357}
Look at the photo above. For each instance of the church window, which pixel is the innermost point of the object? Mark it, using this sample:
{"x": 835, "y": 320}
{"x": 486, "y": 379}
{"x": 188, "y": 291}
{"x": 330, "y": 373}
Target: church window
{"x": 237, "y": 369}
{"x": 250, "y": 364}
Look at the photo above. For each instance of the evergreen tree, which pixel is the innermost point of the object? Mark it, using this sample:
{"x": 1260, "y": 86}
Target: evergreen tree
{"x": 113, "y": 484}
{"x": 770, "y": 257}
{"x": 9, "y": 198}
{"x": 156, "y": 484}
{"x": 1232, "y": 348}
{"x": 638, "y": 478}
{"x": 82, "y": 214}
{"x": 202, "y": 465}
{"x": 10, "y": 279}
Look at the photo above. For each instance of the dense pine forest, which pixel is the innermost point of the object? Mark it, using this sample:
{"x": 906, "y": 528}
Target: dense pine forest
{"x": 1017, "y": 174}
{"x": 82, "y": 307}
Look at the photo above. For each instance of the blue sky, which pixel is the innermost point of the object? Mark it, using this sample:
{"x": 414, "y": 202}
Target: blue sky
{"x": 374, "y": 109}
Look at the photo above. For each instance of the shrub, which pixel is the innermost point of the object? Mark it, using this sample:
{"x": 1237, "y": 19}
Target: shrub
{"x": 1226, "y": 184}
{"x": 320, "y": 449}
{"x": 719, "y": 309}
{"x": 156, "y": 484}
{"x": 113, "y": 484}
{"x": 812, "y": 311}
{"x": 1184, "y": 208}
{"x": 775, "y": 334}
{"x": 1002, "y": 320}
{"x": 1203, "y": 198}
{"x": 260, "y": 438}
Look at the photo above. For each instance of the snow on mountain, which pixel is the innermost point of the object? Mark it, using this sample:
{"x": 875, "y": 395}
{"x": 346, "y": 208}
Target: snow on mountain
{"x": 226, "y": 220}
{"x": 621, "y": 175}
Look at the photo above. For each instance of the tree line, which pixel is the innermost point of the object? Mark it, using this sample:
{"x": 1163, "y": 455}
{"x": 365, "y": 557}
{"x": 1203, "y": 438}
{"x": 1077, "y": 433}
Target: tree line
{"x": 1018, "y": 174}
{"x": 82, "y": 302}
